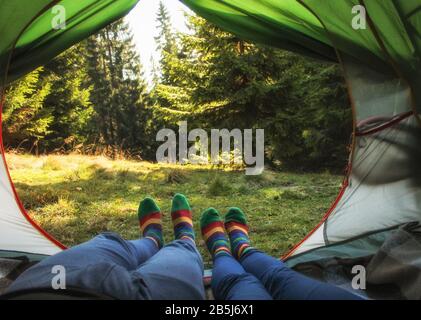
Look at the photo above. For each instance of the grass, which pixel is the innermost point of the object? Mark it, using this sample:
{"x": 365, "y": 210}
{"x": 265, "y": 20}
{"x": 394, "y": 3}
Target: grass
{"x": 76, "y": 197}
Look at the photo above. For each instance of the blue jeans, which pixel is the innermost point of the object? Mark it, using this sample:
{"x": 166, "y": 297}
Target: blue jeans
{"x": 122, "y": 269}
{"x": 261, "y": 277}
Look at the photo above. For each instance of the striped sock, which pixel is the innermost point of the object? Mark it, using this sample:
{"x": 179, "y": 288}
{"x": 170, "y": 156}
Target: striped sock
{"x": 213, "y": 233}
{"x": 150, "y": 221}
{"x": 181, "y": 216}
{"x": 237, "y": 228}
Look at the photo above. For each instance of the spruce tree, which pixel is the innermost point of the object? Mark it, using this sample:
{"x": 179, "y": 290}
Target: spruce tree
{"x": 166, "y": 43}
{"x": 26, "y": 118}
{"x": 119, "y": 95}
{"x": 221, "y": 81}
{"x": 69, "y": 99}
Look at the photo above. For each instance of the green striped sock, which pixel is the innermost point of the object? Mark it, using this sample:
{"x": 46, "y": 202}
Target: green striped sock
{"x": 150, "y": 221}
{"x": 237, "y": 228}
{"x": 212, "y": 228}
{"x": 181, "y": 216}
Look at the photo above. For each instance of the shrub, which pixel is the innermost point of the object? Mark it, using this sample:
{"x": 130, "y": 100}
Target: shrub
{"x": 176, "y": 176}
{"x": 218, "y": 187}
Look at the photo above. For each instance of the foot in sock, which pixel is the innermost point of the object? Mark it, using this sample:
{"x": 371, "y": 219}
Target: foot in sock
{"x": 181, "y": 216}
{"x": 150, "y": 221}
{"x": 237, "y": 229}
{"x": 212, "y": 228}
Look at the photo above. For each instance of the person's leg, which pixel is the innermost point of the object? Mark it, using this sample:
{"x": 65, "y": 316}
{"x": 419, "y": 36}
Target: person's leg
{"x": 105, "y": 250}
{"x": 107, "y": 247}
{"x": 110, "y": 247}
{"x": 282, "y": 282}
{"x": 176, "y": 271}
{"x": 229, "y": 279}
{"x": 90, "y": 266}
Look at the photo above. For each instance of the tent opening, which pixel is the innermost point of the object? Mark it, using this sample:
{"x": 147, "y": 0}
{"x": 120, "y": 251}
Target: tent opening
{"x": 374, "y": 220}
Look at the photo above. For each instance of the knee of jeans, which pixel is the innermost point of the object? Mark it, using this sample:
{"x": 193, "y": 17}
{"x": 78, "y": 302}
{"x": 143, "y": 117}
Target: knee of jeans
{"x": 109, "y": 236}
{"x": 184, "y": 244}
{"x": 190, "y": 246}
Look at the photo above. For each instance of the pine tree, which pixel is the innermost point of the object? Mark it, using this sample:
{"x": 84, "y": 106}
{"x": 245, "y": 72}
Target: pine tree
{"x": 165, "y": 39}
{"x": 166, "y": 43}
{"x": 26, "y": 119}
{"x": 219, "y": 80}
{"x": 69, "y": 99}
{"x": 119, "y": 95}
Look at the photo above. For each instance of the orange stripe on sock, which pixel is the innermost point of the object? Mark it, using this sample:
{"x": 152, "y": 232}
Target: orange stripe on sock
{"x": 182, "y": 219}
{"x": 211, "y": 232}
{"x": 242, "y": 248}
{"x": 237, "y": 227}
{"x": 151, "y": 221}
{"x": 188, "y": 238}
{"x": 222, "y": 249}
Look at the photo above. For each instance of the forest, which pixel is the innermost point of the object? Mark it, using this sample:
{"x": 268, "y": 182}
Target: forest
{"x": 94, "y": 98}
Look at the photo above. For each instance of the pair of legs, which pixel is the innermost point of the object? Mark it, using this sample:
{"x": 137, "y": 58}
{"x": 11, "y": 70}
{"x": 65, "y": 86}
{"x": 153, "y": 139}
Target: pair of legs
{"x": 135, "y": 269}
{"x": 240, "y": 272}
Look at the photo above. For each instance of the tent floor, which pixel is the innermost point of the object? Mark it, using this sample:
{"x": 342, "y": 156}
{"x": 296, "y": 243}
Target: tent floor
{"x": 10, "y": 269}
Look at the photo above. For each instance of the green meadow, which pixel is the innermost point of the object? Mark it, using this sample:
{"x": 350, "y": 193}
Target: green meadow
{"x": 76, "y": 197}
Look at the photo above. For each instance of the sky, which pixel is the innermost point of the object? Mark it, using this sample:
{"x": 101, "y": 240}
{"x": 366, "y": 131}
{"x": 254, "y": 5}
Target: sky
{"x": 142, "y": 20}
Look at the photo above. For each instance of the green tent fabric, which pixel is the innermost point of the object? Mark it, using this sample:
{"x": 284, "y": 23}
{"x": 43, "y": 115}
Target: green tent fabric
{"x": 313, "y": 27}
{"x": 390, "y": 44}
{"x": 284, "y": 24}
{"x": 27, "y": 25}
{"x": 392, "y": 35}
